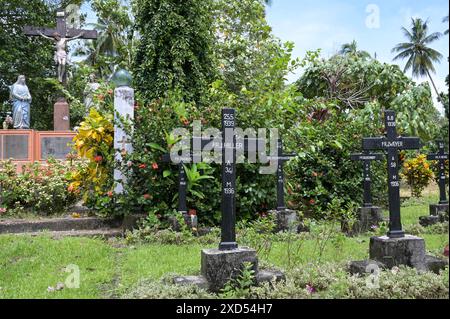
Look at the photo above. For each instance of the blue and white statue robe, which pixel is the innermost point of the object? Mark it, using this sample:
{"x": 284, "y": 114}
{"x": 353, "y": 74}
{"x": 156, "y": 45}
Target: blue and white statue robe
{"x": 21, "y": 99}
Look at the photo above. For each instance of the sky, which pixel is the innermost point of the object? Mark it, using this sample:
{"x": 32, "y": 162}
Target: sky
{"x": 375, "y": 25}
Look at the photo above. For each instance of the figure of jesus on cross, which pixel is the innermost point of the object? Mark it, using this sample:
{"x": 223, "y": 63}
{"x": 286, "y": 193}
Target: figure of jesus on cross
{"x": 61, "y": 35}
{"x": 60, "y": 52}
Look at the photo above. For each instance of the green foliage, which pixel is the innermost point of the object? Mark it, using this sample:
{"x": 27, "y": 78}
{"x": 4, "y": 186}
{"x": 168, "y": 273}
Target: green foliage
{"x": 116, "y": 42}
{"x": 417, "y": 173}
{"x": 151, "y": 289}
{"x": 31, "y": 56}
{"x": 352, "y": 82}
{"x": 239, "y": 287}
{"x": 323, "y": 171}
{"x": 175, "y": 49}
{"x": 94, "y": 143}
{"x": 39, "y": 189}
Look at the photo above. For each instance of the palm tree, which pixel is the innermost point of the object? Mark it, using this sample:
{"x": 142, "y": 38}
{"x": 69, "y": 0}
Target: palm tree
{"x": 420, "y": 56}
{"x": 351, "y": 49}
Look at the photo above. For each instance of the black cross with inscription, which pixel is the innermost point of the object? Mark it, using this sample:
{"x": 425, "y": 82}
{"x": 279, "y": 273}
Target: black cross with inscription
{"x": 182, "y": 183}
{"x": 367, "y": 158}
{"x": 442, "y": 157}
{"x": 281, "y": 158}
{"x": 392, "y": 143}
{"x": 228, "y": 176}
{"x": 228, "y": 237}
{"x": 228, "y": 144}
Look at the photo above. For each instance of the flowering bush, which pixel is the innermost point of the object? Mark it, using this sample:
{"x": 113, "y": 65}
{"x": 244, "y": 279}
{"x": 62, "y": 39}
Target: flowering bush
{"x": 38, "y": 189}
{"x": 94, "y": 142}
{"x": 417, "y": 173}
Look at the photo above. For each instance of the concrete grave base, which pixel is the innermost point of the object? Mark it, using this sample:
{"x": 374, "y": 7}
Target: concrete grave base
{"x": 219, "y": 267}
{"x": 437, "y": 209}
{"x": 366, "y": 217}
{"x": 438, "y": 214}
{"x": 426, "y": 221}
{"x": 408, "y": 250}
{"x": 388, "y": 252}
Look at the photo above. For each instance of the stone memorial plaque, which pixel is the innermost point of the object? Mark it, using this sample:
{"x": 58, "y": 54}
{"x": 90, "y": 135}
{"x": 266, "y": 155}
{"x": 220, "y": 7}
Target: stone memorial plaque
{"x": 56, "y": 147}
{"x": 16, "y": 147}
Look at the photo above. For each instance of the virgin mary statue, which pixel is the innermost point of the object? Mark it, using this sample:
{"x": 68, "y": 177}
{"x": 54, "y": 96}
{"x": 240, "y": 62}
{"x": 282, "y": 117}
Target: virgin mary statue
{"x": 21, "y": 99}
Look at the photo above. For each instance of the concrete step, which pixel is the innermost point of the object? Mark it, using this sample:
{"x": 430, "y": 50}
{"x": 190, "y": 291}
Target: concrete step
{"x": 11, "y": 226}
{"x": 102, "y": 233}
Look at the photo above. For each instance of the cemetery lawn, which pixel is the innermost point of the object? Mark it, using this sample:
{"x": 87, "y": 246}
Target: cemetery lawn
{"x": 29, "y": 265}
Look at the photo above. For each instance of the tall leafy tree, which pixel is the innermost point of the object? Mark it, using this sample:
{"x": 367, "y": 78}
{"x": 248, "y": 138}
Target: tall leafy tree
{"x": 115, "y": 41}
{"x": 421, "y": 57}
{"x": 175, "y": 49}
{"x": 352, "y": 50}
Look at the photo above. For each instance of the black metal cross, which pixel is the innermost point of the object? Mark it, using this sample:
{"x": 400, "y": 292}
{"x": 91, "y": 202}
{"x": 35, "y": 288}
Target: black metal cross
{"x": 442, "y": 157}
{"x": 392, "y": 143}
{"x": 367, "y": 158}
{"x": 182, "y": 184}
{"x": 281, "y": 158}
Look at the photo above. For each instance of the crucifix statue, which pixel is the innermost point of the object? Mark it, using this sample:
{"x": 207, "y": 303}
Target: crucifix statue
{"x": 61, "y": 35}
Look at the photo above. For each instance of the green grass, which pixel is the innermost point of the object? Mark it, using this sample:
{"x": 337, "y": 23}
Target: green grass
{"x": 28, "y": 265}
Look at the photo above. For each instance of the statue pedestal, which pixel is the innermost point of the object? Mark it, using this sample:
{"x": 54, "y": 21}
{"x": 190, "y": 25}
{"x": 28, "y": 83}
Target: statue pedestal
{"x": 61, "y": 116}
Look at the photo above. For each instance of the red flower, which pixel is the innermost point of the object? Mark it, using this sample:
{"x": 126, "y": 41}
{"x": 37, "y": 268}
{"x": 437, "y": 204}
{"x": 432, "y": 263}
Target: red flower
{"x": 155, "y": 166}
{"x": 142, "y": 166}
{"x": 312, "y": 202}
{"x": 446, "y": 251}
{"x": 185, "y": 122}
{"x": 98, "y": 158}
{"x": 110, "y": 194}
{"x": 192, "y": 212}
{"x": 101, "y": 97}
{"x": 110, "y": 92}
{"x": 2, "y": 210}
{"x": 147, "y": 196}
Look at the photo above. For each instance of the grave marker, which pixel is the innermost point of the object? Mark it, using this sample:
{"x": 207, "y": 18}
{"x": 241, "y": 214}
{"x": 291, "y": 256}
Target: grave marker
{"x": 286, "y": 219}
{"x": 438, "y": 212}
{"x": 367, "y": 158}
{"x": 396, "y": 248}
{"x": 367, "y": 215}
{"x": 441, "y": 156}
{"x": 392, "y": 143}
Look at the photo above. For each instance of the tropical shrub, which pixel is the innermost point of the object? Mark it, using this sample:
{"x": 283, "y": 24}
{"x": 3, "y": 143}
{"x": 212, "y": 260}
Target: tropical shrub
{"x": 323, "y": 171}
{"x": 94, "y": 143}
{"x": 417, "y": 173}
{"x": 40, "y": 188}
